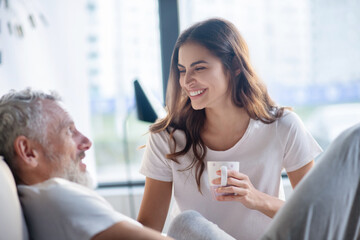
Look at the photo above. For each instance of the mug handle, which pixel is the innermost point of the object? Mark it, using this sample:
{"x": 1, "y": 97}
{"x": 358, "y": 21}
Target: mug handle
{"x": 224, "y": 175}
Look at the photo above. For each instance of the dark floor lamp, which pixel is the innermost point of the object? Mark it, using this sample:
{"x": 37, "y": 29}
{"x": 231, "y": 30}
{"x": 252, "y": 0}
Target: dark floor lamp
{"x": 145, "y": 107}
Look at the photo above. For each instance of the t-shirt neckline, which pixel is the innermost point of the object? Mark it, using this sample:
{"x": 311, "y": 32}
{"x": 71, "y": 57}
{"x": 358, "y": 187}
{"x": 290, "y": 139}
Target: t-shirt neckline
{"x": 241, "y": 140}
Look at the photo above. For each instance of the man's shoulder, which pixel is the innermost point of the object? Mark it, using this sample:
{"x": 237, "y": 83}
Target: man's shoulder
{"x": 61, "y": 197}
{"x": 53, "y": 189}
{"x": 50, "y": 184}
{"x": 58, "y": 206}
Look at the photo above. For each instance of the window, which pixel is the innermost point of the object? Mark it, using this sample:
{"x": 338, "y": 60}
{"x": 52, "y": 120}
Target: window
{"x": 124, "y": 45}
{"x": 90, "y": 52}
{"x": 306, "y": 52}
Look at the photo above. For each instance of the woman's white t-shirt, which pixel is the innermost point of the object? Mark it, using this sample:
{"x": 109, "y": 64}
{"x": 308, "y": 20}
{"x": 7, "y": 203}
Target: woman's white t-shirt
{"x": 263, "y": 152}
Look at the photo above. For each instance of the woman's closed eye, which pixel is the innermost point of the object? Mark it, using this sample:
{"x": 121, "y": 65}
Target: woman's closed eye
{"x": 196, "y": 69}
{"x": 182, "y": 71}
{"x": 200, "y": 68}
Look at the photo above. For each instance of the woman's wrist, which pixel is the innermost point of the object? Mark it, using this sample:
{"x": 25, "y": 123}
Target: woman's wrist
{"x": 269, "y": 205}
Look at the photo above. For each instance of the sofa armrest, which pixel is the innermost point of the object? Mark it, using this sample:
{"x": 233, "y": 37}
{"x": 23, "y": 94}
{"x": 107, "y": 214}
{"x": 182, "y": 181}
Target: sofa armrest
{"x": 12, "y": 221}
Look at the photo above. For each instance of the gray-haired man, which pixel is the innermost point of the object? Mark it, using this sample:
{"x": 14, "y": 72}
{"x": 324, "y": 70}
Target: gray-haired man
{"x": 45, "y": 153}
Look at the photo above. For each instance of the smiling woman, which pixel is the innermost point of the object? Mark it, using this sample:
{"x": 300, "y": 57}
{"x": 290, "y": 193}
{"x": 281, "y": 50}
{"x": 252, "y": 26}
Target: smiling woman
{"x": 220, "y": 110}
{"x": 202, "y": 76}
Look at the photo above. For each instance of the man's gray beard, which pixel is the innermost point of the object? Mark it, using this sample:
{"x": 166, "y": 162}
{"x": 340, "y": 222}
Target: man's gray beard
{"x": 71, "y": 172}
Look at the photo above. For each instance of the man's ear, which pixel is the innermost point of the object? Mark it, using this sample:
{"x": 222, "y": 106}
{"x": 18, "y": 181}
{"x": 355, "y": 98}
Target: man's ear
{"x": 26, "y": 150}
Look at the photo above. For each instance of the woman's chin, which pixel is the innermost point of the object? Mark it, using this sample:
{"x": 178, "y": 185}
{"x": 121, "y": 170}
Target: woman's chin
{"x": 197, "y": 107}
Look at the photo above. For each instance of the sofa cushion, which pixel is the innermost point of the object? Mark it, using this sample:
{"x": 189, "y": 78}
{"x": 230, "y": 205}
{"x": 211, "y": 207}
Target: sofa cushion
{"x": 12, "y": 222}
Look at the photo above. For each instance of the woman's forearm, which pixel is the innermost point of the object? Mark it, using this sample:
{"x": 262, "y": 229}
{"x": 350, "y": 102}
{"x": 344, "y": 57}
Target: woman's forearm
{"x": 269, "y": 204}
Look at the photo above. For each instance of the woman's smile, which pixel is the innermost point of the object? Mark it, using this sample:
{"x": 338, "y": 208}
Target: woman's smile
{"x": 196, "y": 93}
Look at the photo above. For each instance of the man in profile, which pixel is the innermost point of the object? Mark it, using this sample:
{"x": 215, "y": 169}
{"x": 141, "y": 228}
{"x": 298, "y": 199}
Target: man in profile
{"x": 45, "y": 153}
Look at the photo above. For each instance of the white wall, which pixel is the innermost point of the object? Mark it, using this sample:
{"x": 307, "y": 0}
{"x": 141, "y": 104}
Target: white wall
{"x": 49, "y": 57}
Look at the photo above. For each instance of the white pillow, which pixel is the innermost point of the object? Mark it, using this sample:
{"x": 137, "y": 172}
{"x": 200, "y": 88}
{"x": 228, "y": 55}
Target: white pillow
{"x": 12, "y": 222}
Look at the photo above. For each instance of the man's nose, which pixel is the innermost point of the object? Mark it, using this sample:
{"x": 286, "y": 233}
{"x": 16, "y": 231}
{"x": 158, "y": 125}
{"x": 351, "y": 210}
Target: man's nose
{"x": 85, "y": 143}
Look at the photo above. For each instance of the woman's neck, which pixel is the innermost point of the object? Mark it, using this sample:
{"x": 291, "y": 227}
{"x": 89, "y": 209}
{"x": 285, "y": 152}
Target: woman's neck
{"x": 226, "y": 118}
{"x": 224, "y": 127}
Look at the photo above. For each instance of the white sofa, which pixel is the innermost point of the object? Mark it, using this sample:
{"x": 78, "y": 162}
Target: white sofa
{"x": 12, "y": 221}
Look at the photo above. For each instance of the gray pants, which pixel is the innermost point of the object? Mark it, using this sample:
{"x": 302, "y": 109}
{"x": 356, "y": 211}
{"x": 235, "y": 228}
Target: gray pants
{"x": 325, "y": 204}
{"x": 191, "y": 225}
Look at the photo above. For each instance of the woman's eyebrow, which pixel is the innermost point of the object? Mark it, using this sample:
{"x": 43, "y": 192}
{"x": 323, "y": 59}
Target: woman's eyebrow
{"x": 193, "y": 64}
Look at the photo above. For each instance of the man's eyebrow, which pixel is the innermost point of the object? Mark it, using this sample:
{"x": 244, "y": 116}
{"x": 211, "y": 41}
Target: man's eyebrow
{"x": 193, "y": 64}
{"x": 65, "y": 123}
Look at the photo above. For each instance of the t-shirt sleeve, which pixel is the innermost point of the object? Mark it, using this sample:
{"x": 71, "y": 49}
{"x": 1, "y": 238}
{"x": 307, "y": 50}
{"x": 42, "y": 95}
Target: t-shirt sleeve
{"x": 64, "y": 210}
{"x": 299, "y": 146}
{"x": 90, "y": 216}
{"x": 154, "y": 164}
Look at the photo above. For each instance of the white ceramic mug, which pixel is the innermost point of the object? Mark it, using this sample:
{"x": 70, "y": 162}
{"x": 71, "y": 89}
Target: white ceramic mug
{"x": 224, "y": 166}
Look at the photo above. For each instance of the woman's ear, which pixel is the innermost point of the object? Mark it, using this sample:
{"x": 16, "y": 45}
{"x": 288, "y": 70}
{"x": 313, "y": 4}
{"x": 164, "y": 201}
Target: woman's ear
{"x": 26, "y": 150}
{"x": 236, "y": 67}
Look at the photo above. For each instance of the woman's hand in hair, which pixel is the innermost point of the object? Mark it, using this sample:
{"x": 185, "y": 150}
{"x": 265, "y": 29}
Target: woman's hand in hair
{"x": 239, "y": 188}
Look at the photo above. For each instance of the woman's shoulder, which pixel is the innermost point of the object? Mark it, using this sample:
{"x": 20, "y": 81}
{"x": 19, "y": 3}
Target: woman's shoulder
{"x": 289, "y": 118}
{"x": 286, "y": 120}
{"x": 290, "y": 122}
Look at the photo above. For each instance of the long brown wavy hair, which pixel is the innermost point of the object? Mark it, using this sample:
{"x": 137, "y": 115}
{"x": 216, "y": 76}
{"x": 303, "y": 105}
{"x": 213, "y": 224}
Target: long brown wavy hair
{"x": 223, "y": 40}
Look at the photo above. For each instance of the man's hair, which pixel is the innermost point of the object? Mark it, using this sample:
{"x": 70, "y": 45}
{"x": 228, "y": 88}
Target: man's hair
{"x": 21, "y": 114}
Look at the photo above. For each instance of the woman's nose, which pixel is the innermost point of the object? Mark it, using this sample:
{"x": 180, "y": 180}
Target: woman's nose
{"x": 189, "y": 79}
